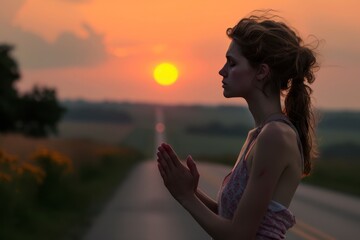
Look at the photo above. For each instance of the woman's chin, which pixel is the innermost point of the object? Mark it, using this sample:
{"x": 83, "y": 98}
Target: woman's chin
{"x": 226, "y": 95}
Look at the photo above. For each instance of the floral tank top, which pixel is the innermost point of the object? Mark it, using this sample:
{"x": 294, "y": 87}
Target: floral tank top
{"x": 278, "y": 219}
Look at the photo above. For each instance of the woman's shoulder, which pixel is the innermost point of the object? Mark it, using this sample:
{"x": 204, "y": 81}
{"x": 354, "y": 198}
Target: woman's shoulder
{"x": 278, "y": 130}
{"x": 274, "y": 144}
{"x": 277, "y": 138}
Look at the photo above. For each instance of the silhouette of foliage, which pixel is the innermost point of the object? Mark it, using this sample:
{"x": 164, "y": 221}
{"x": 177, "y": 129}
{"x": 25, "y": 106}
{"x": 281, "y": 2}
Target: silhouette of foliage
{"x": 34, "y": 113}
{"x": 39, "y": 112}
{"x": 9, "y": 74}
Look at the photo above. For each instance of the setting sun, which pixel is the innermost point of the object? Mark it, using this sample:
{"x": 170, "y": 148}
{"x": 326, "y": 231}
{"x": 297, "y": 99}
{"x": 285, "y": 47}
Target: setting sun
{"x": 165, "y": 74}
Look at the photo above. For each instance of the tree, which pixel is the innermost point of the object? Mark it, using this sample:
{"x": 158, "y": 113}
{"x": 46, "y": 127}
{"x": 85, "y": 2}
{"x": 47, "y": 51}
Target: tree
{"x": 9, "y": 74}
{"x": 39, "y": 112}
{"x": 35, "y": 113}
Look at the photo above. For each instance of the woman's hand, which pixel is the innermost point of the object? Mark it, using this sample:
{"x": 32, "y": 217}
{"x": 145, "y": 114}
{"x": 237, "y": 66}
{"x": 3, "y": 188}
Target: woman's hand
{"x": 181, "y": 181}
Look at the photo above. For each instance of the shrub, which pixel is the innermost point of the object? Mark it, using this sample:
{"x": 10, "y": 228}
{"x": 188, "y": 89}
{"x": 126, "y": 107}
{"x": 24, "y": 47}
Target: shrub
{"x": 57, "y": 168}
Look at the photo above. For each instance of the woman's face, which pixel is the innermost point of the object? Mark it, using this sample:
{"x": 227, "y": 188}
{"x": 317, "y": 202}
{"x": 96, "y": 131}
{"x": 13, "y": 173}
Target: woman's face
{"x": 238, "y": 75}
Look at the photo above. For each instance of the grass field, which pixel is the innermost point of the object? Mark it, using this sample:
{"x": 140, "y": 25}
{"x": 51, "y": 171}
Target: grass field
{"x": 339, "y": 174}
{"x": 100, "y": 132}
{"x": 63, "y": 210}
{"x": 80, "y": 150}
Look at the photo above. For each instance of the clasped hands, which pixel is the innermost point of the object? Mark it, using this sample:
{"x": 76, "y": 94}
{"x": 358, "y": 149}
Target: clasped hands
{"x": 181, "y": 181}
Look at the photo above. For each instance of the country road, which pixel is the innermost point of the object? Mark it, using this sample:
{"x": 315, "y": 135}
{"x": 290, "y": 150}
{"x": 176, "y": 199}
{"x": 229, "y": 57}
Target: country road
{"x": 142, "y": 209}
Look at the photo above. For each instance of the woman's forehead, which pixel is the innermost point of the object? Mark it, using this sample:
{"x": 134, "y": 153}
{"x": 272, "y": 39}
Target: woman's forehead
{"x": 234, "y": 50}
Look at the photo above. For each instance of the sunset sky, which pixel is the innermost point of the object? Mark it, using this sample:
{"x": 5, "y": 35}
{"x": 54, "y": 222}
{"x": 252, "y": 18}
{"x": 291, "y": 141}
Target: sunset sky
{"x": 108, "y": 49}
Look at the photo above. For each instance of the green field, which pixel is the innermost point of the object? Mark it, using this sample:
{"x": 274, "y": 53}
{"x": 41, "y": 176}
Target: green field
{"x": 339, "y": 174}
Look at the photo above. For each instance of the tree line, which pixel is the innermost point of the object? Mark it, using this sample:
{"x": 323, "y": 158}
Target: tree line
{"x": 33, "y": 113}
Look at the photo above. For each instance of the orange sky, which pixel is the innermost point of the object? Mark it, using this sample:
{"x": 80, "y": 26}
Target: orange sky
{"x": 107, "y": 49}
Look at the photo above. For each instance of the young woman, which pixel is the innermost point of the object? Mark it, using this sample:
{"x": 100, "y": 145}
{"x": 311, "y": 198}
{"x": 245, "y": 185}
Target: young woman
{"x": 269, "y": 66}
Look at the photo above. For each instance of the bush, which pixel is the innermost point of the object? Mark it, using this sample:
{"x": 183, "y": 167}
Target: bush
{"x": 19, "y": 184}
{"x": 46, "y": 197}
{"x": 57, "y": 168}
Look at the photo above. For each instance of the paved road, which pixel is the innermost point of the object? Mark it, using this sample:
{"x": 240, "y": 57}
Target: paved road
{"x": 142, "y": 209}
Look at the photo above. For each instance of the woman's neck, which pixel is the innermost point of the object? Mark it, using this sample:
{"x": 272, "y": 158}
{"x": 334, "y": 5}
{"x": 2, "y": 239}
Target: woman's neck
{"x": 262, "y": 109}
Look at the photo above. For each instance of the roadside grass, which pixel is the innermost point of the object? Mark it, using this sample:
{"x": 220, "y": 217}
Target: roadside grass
{"x": 110, "y": 133}
{"x": 339, "y": 174}
{"x": 63, "y": 203}
{"x": 79, "y": 150}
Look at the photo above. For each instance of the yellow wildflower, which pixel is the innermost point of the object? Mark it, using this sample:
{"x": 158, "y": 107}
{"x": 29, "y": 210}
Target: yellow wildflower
{"x": 35, "y": 171}
{"x": 4, "y": 177}
{"x": 54, "y": 156}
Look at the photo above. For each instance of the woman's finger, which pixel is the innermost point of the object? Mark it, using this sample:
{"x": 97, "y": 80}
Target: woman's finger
{"x": 161, "y": 170}
{"x": 163, "y": 162}
{"x": 167, "y": 158}
{"x": 192, "y": 166}
{"x": 172, "y": 154}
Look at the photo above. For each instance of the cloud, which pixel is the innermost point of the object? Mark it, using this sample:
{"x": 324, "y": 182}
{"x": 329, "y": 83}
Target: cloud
{"x": 68, "y": 50}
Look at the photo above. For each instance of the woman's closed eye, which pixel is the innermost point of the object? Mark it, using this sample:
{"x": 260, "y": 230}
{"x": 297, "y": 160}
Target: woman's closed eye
{"x": 230, "y": 62}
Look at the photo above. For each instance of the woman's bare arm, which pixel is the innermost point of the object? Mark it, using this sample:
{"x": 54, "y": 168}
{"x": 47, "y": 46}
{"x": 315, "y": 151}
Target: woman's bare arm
{"x": 208, "y": 201}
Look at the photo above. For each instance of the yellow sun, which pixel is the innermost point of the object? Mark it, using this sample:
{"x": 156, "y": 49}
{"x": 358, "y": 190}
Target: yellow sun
{"x": 165, "y": 74}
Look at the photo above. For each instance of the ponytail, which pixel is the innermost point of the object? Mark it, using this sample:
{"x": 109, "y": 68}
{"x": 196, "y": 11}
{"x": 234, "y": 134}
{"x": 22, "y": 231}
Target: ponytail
{"x": 298, "y": 104}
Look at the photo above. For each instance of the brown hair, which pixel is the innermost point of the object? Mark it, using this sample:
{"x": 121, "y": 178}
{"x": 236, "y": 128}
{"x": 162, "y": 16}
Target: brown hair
{"x": 262, "y": 39}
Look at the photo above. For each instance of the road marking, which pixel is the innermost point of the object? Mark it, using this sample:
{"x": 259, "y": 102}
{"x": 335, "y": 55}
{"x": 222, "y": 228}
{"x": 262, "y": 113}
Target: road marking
{"x": 314, "y": 230}
{"x": 297, "y": 231}
{"x": 301, "y": 229}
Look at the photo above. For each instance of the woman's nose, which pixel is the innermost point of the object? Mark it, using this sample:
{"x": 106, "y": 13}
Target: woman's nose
{"x": 222, "y": 71}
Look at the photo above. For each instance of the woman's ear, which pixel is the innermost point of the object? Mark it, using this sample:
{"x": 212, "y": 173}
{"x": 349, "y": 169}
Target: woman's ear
{"x": 263, "y": 72}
